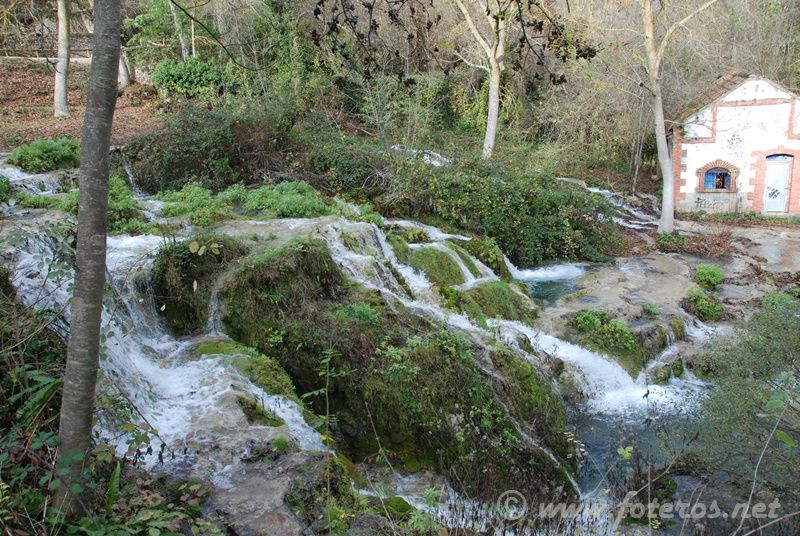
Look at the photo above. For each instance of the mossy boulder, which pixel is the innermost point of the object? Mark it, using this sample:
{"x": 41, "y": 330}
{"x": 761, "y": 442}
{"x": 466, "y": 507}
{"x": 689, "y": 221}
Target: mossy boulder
{"x": 678, "y": 327}
{"x": 498, "y": 299}
{"x": 256, "y": 413}
{"x": 183, "y": 278}
{"x": 437, "y": 265}
{"x": 486, "y": 250}
{"x": 397, "y": 384}
{"x": 599, "y": 331}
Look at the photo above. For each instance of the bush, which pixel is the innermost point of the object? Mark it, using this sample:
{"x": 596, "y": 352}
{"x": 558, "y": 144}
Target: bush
{"x": 287, "y": 200}
{"x": 703, "y": 306}
{"x": 708, "y": 275}
{"x": 190, "y": 78}
{"x": 650, "y": 309}
{"x": 532, "y": 218}
{"x": 43, "y": 155}
{"x": 212, "y": 148}
{"x": 670, "y": 242}
{"x": 124, "y": 215}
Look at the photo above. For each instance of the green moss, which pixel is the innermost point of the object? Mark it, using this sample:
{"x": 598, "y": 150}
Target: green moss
{"x": 399, "y": 386}
{"x": 397, "y": 507}
{"x": 458, "y": 300}
{"x": 437, "y": 266}
{"x": 400, "y": 247}
{"x": 257, "y": 414}
{"x": 262, "y": 370}
{"x": 466, "y": 258}
{"x": 183, "y": 277}
{"x": 497, "y": 299}
{"x": 489, "y": 253}
{"x": 597, "y": 330}
{"x": 678, "y": 327}
{"x": 677, "y": 368}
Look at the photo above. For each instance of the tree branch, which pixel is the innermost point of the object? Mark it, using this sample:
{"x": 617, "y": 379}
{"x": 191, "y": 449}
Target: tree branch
{"x": 474, "y": 29}
{"x": 662, "y": 49}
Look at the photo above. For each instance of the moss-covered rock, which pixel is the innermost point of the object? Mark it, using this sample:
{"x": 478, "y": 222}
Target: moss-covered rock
{"x": 262, "y": 370}
{"x": 611, "y": 336}
{"x": 256, "y": 413}
{"x": 498, "y": 299}
{"x": 183, "y": 278}
{"x": 398, "y": 385}
{"x": 437, "y": 265}
{"x": 489, "y": 253}
{"x": 678, "y": 327}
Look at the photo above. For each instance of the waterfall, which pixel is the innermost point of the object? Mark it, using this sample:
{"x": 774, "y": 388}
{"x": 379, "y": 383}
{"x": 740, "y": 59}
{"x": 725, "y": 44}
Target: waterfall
{"x": 175, "y": 395}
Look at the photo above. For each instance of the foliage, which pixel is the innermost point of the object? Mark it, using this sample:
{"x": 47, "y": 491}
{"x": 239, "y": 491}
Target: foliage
{"x": 756, "y": 370}
{"x": 395, "y": 373}
{"x": 183, "y": 276}
{"x": 498, "y": 299}
{"x": 670, "y": 242}
{"x": 124, "y": 215}
{"x": 532, "y": 218}
{"x": 650, "y": 309}
{"x": 193, "y": 77}
{"x": 46, "y": 154}
{"x": 198, "y": 203}
{"x": 703, "y": 306}
{"x": 610, "y": 335}
{"x": 214, "y": 148}
{"x": 287, "y": 200}
{"x": 708, "y": 275}
{"x": 489, "y": 253}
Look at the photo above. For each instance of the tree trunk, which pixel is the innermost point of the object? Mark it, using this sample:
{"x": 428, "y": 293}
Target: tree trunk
{"x": 667, "y": 223}
{"x": 176, "y": 20}
{"x": 77, "y": 405}
{"x": 60, "y": 108}
{"x": 494, "y": 111}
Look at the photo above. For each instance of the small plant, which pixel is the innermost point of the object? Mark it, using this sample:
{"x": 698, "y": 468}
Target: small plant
{"x": 670, "y": 242}
{"x": 43, "y": 155}
{"x": 650, "y": 309}
{"x": 703, "y": 306}
{"x": 708, "y": 275}
{"x": 610, "y": 335}
{"x": 5, "y": 188}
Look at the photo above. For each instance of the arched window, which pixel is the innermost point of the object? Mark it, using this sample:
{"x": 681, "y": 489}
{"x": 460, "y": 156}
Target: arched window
{"x": 717, "y": 179}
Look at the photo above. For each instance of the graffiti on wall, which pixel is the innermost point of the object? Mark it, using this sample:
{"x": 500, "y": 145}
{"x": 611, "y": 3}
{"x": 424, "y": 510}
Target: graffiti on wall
{"x": 715, "y": 202}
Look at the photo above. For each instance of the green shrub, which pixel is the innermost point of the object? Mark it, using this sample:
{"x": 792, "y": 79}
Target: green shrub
{"x": 124, "y": 215}
{"x": 650, "y": 309}
{"x": 497, "y": 299}
{"x": 287, "y": 200}
{"x": 532, "y": 218}
{"x": 777, "y": 300}
{"x": 489, "y": 253}
{"x": 708, "y": 275}
{"x": 214, "y": 148}
{"x": 703, "y": 306}
{"x": 46, "y": 155}
{"x": 198, "y": 203}
{"x": 5, "y": 188}
{"x": 189, "y": 78}
{"x": 26, "y": 199}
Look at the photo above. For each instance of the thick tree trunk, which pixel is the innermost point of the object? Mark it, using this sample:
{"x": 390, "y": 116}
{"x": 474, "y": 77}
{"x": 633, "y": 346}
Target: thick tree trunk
{"x": 60, "y": 108}
{"x": 77, "y": 405}
{"x": 176, "y": 20}
{"x": 667, "y": 223}
{"x": 494, "y": 111}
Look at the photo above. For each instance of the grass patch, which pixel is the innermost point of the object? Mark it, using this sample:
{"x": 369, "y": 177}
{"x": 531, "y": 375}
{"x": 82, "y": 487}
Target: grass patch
{"x": 708, "y": 275}
{"x": 488, "y": 252}
{"x": 495, "y": 299}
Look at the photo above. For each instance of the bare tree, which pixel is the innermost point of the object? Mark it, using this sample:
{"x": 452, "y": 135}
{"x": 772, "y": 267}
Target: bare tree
{"x": 83, "y": 349}
{"x": 655, "y": 49}
{"x": 176, "y": 20}
{"x": 60, "y": 107}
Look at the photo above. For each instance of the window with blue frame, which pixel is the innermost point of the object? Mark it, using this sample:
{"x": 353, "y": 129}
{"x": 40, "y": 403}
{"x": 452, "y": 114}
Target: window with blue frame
{"x": 717, "y": 179}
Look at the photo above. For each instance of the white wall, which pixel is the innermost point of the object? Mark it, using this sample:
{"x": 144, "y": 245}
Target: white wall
{"x": 740, "y": 131}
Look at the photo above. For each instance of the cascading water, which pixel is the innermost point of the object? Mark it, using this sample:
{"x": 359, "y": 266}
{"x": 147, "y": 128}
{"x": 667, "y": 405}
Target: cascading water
{"x": 174, "y": 394}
